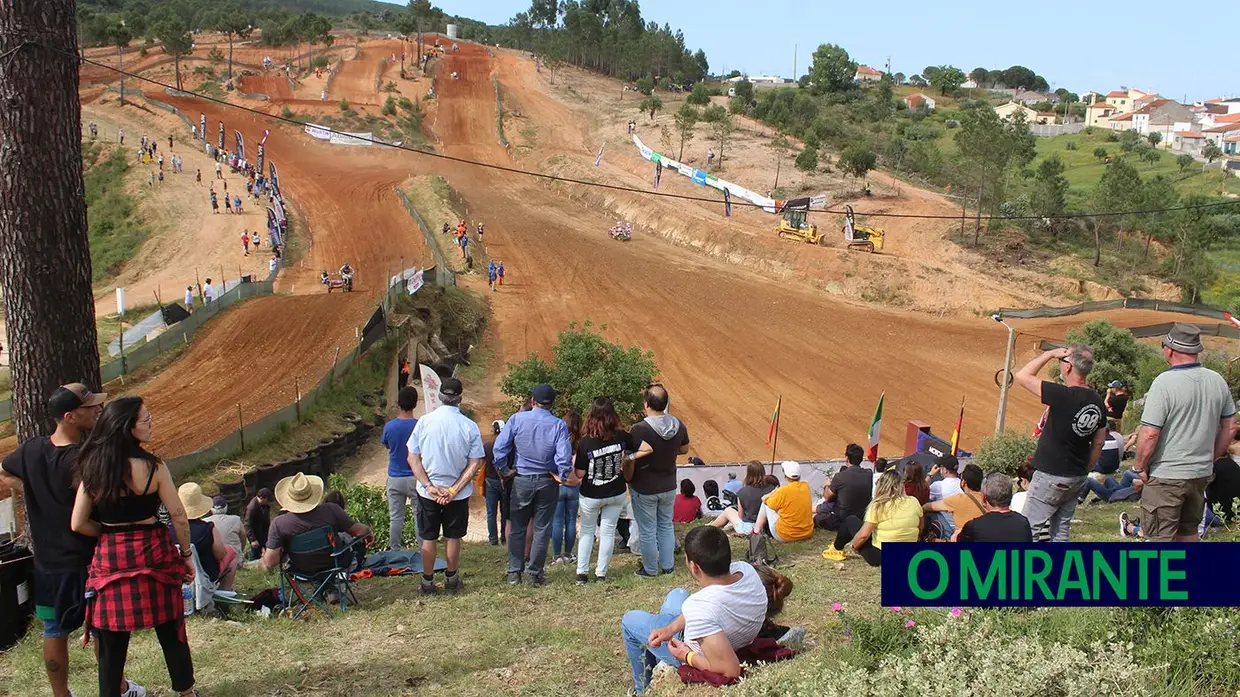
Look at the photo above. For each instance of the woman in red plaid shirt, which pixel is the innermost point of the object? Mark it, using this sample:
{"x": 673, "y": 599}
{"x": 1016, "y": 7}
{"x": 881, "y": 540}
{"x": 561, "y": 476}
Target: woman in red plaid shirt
{"x": 135, "y": 579}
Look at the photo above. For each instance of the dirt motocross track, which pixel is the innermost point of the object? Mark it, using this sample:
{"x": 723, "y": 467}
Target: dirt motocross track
{"x": 728, "y": 341}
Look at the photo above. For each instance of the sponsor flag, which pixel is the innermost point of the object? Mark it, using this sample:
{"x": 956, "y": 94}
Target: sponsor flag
{"x": 1041, "y": 425}
{"x": 727, "y": 203}
{"x": 658, "y": 174}
{"x": 1229, "y": 318}
{"x": 202, "y": 128}
{"x": 876, "y": 427}
{"x": 275, "y": 178}
{"x": 956, "y": 433}
{"x": 260, "y": 156}
{"x": 271, "y": 218}
{"x": 598, "y": 160}
{"x": 240, "y": 144}
{"x": 430, "y": 387}
{"x": 264, "y": 140}
{"x": 774, "y": 427}
{"x": 221, "y": 135}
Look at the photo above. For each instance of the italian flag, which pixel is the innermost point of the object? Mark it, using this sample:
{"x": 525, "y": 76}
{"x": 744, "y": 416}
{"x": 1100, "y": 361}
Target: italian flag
{"x": 770, "y": 432}
{"x": 876, "y": 425}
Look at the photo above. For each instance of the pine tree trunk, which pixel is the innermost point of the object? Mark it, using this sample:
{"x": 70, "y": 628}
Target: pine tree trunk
{"x": 45, "y": 266}
{"x": 176, "y": 61}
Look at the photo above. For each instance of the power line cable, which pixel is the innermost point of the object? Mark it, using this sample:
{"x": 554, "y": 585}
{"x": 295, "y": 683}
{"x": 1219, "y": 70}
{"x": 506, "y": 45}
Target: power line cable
{"x": 627, "y": 189}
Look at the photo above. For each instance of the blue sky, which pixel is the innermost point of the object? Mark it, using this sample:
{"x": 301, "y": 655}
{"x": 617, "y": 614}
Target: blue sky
{"x": 1173, "y": 49}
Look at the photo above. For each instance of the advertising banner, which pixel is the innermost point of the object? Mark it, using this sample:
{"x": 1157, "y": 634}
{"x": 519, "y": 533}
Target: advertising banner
{"x": 700, "y": 177}
{"x": 430, "y": 388}
{"x": 221, "y": 135}
{"x": 338, "y": 138}
{"x": 240, "y": 144}
{"x": 318, "y": 132}
{"x": 202, "y": 128}
{"x": 260, "y": 155}
{"x": 275, "y": 178}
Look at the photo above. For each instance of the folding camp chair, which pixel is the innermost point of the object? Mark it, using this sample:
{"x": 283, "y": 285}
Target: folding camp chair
{"x": 305, "y": 582}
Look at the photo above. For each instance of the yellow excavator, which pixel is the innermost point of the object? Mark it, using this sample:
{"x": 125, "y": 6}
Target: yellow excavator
{"x": 795, "y": 224}
{"x": 860, "y": 237}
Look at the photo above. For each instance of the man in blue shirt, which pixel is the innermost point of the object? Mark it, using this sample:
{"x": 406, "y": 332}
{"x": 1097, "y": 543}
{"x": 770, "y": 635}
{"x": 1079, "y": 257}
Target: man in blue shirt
{"x": 401, "y": 489}
{"x": 544, "y": 457}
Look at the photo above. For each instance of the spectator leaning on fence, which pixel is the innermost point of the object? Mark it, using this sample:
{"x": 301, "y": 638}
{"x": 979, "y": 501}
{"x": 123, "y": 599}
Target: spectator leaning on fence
{"x": 1187, "y": 423}
{"x": 1070, "y": 444}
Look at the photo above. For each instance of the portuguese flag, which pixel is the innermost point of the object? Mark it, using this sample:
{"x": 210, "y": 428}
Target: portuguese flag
{"x": 774, "y": 428}
{"x": 876, "y": 425}
{"x": 956, "y": 433}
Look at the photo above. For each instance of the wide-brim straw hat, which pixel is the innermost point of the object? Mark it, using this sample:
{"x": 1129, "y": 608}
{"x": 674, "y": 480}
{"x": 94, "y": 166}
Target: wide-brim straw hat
{"x": 196, "y": 503}
{"x": 299, "y": 493}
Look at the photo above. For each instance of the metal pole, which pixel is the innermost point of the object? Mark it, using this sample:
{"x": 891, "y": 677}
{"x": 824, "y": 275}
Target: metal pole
{"x": 297, "y": 390}
{"x": 1007, "y": 378}
{"x": 241, "y": 427}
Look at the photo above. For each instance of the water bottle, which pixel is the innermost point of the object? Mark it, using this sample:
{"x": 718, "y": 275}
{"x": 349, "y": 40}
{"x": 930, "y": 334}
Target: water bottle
{"x": 187, "y": 598}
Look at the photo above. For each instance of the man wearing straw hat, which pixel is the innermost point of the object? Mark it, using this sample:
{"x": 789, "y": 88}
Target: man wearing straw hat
{"x": 1187, "y": 423}
{"x": 217, "y": 560}
{"x": 301, "y": 497}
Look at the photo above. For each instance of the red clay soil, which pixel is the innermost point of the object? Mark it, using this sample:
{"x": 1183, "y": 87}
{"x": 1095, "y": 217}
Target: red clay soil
{"x": 274, "y": 86}
{"x": 355, "y": 81}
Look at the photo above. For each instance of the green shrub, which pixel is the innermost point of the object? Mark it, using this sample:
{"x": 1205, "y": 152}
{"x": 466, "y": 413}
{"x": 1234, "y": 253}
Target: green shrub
{"x": 116, "y": 228}
{"x": 368, "y": 505}
{"x": 389, "y": 106}
{"x": 1070, "y": 145}
{"x": 405, "y": 104}
{"x": 320, "y": 62}
{"x": 645, "y": 85}
{"x": 344, "y": 104}
{"x": 1005, "y": 452}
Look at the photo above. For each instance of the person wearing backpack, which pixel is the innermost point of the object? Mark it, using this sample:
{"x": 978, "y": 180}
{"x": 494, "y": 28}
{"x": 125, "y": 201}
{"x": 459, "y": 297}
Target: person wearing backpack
{"x": 958, "y": 509}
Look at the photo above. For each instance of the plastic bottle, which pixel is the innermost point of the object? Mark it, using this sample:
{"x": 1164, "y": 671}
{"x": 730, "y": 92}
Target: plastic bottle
{"x": 187, "y": 598}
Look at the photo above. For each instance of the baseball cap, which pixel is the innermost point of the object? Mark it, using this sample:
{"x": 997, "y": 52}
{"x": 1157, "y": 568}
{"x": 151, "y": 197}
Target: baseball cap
{"x": 543, "y": 394}
{"x": 1116, "y": 384}
{"x": 75, "y": 395}
{"x": 949, "y": 463}
{"x": 451, "y": 387}
{"x": 791, "y": 468}
{"x": 265, "y": 493}
{"x": 219, "y": 503}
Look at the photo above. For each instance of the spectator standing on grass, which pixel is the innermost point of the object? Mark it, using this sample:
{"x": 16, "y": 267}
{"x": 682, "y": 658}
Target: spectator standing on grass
{"x": 564, "y": 524}
{"x": 497, "y": 489}
{"x": 445, "y": 452}
{"x": 401, "y": 484}
{"x": 702, "y": 630}
{"x": 1188, "y": 422}
{"x": 603, "y": 465}
{"x": 1000, "y": 523}
{"x": 950, "y": 514}
{"x": 43, "y": 469}
{"x": 892, "y": 516}
{"x": 848, "y": 493}
{"x": 1117, "y": 400}
{"x": 258, "y": 521}
{"x": 788, "y": 512}
{"x": 1071, "y": 441}
{"x": 653, "y": 487}
{"x": 544, "y": 457}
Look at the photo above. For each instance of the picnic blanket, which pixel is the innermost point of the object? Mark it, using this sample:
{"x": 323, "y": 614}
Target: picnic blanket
{"x": 760, "y": 651}
{"x": 394, "y": 563}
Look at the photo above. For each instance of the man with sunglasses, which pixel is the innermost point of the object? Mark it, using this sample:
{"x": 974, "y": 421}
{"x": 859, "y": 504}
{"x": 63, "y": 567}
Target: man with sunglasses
{"x": 1070, "y": 443}
{"x": 43, "y": 468}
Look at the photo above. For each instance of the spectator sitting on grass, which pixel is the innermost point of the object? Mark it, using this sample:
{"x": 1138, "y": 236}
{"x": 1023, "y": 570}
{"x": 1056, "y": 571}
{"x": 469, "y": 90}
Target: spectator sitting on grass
{"x": 687, "y": 507}
{"x": 748, "y": 501}
{"x": 892, "y": 516}
{"x": 915, "y": 483}
{"x": 704, "y": 629}
{"x": 1024, "y": 474}
{"x": 848, "y": 493}
{"x": 880, "y": 466}
{"x": 1128, "y": 488}
{"x": 954, "y": 511}
{"x": 1000, "y": 524}
{"x": 787, "y": 513}
{"x": 945, "y": 478}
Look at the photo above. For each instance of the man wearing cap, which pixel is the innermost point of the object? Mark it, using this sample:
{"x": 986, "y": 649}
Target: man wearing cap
{"x": 301, "y": 497}
{"x": 232, "y": 531}
{"x": 43, "y": 469}
{"x": 258, "y": 521}
{"x": 401, "y": 486}
{"x": 1116, "y": 400}
{"x": 788, "y": 512}
{"x": 445, "y": 452}
{"x": 1187, "y": 423}
{"x": 544, "y": 458}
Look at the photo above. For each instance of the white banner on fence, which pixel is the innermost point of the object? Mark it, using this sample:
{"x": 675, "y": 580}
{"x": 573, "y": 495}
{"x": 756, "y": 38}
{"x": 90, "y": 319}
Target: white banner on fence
{"x": 351, "y": 138}
{"x": 416, "y": 282}
{"x": 318, "y": 132}
{"x": 430, "y": 388}
{"x": 700, "y": 177}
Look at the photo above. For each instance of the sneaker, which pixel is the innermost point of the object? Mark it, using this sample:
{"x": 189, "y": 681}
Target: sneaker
{"x": 514, "y": 578}
{"x": 641, "y": 573}
{"x": 1123, "y": 524}
{"x": 794, "y": 638}
{"x": 493, "y": 542}
{"x": 833, "y": 554}
{"x": 132, "y": 689}
{"x": 600, "y": 579}
{"x": 665, "y": 572}
{"x": 452, "y": 584}
{"x": 582, "y": 579}
{"x": 429, "y": 587}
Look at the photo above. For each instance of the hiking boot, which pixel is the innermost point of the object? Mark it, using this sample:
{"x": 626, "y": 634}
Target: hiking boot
{"x": 429, "y": 587}
{"x": 641, "y": 573}
{"x": 1123, "y": 525}
{"x": 452, "y": 584}
{"x": 493, "y": 542}
{"x": 514, "y": 578}
{"x": 582, "y": 579}
{"x": 600, "y": 579}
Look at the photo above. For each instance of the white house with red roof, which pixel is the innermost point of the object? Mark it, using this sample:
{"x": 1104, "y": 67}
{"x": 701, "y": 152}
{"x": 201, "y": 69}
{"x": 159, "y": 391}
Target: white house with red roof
{"x": 867, "y": 74}
{"x": 917, "y": 100}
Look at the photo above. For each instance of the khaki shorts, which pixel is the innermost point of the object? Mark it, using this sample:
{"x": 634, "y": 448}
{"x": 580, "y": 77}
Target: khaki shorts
{"x": 1172, "y": 507}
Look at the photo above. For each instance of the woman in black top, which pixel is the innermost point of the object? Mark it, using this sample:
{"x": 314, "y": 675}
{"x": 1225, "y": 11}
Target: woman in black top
{"x": 137, "y": 571}
{"x": 603, "y": 465}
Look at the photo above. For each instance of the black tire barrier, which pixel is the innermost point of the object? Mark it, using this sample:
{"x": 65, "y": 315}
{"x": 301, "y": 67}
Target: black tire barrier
{"x": 341, "y": 440}
{"x": 326, "y": 448}
{"x": 352, "y": 439}
{"x": 251, "y": 483}
{"x": 369, "y": 399}
{"x": 268, "y": 475}
{"x": 230, "y": 487}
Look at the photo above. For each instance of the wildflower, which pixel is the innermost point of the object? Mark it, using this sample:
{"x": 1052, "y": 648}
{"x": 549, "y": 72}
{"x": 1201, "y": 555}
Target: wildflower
{"x": 956, "y": 612}
{"x": 837, "y": 607}
{"x": 910, "y": 624}
{"x": 897, "y": 608}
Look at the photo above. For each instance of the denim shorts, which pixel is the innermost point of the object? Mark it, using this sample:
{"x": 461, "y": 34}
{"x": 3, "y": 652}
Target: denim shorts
{"x": 744, "y": 528}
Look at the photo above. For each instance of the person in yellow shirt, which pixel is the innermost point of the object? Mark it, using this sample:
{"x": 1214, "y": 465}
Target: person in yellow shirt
{"x": 789, "y": 509}
{"x": 892, "y": 516}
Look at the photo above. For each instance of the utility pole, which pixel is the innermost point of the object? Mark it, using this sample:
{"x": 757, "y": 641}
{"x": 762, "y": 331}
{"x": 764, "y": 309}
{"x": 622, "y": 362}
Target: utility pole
{"x": 1006, "y": 382}
{"x": 794, "y": 64}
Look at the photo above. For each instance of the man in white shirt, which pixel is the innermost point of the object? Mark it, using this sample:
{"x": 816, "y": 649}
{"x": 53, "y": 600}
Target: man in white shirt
{"x": 189, "y": 297}
{"x": 232, "y": 532}
{"x": 949, "y": 485}
{"x": 705, "y": 629}
{"x": 208, "y": 292}
{"x": 445, "y": 452}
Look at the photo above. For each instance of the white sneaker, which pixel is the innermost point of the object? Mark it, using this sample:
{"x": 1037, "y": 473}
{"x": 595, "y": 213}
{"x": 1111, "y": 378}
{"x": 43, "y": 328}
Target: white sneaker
{"x": 135, "y": 690}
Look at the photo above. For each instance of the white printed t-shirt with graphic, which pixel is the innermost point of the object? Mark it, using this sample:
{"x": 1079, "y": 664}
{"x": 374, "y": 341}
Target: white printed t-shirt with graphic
{"x": 736, "y": 609}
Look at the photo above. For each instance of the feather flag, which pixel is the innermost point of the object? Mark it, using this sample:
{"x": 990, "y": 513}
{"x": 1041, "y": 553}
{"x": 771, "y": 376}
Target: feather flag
{"x": 876, "y": 427}
{"x": 598, "y": 160}
{"x": 1041, "y": 425}
{"x": 774, "y": 428}
{"x": 727, "y": 203}
{"x": 956, "y": 433}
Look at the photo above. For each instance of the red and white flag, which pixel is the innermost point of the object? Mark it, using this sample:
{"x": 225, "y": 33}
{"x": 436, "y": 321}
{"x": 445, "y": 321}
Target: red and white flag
{"x": 1041, "y": 425}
